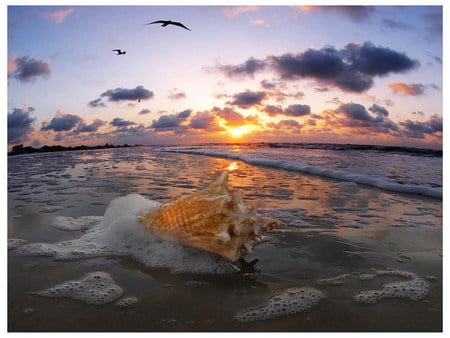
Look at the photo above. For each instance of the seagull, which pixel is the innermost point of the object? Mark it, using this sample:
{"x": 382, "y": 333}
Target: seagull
{"x": 168, "y": 22}
{"x": 119, "y": 52}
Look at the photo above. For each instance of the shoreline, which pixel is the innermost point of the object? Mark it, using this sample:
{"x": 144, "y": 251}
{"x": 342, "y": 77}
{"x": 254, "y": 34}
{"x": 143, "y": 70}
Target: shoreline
{"x": 20, "y": 149}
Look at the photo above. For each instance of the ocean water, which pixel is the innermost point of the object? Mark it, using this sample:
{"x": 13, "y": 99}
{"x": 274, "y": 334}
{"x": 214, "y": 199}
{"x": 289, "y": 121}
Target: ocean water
{"x": 360, "y": 248}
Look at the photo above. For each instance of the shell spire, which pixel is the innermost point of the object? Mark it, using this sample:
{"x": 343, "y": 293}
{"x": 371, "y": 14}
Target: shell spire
{"x": 213, "y": 219}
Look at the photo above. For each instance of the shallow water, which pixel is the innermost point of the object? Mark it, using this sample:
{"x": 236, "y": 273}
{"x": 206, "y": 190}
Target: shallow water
{"x": 335, "y": 234}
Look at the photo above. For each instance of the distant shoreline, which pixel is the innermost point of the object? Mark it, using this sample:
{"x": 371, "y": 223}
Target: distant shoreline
{"x": 20, "y": 149}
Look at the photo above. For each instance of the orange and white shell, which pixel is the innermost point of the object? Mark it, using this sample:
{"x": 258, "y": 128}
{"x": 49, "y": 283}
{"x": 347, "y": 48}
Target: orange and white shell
{"x": 213, "y": 219}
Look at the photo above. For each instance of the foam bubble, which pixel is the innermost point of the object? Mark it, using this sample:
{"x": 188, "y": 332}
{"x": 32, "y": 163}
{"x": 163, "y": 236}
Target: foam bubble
{"x": 14, "y": 243}
{"x": 118, "y": 233}
{"x": 95, "y": 288}
{"x": 127, "y": 301}
{"x": 72, "y": 224}
{"x": 413, "y": 289}
{"x": 292, "y": 300}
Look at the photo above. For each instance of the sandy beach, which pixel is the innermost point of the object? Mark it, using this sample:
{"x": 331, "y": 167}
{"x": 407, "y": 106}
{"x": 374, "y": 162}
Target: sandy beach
{"x": 348, "y": 257}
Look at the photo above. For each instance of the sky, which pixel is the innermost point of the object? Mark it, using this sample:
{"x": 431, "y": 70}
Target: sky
{"x": 259, "y": 73}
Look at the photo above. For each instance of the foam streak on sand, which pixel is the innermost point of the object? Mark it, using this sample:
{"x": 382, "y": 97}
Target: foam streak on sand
{"x": 377, "y": 182}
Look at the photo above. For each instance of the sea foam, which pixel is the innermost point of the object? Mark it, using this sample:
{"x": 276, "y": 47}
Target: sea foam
{"x": 118, "y": 233}
{"x": 290, "y": 301}
{"x": 95, "y": 288}
{"x": 374, "y": 181}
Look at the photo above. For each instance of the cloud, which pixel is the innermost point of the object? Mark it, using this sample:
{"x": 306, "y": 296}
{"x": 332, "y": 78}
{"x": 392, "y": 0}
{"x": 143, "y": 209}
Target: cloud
{"x": 89, "y": 128}
{"x": 435, "y": 27}
{"x": 295, "y": 110}
{"x": 27, "y": 69}
{"x": 145, "y": 111}
{"x": 259, "y": 22}
{"x": 234, "y": 11}
{"x": 355, "y": 115}
{"x": 176, "y": 96}
{"x": 170, "y": 122}
{"x": 120, "y": 122}
{"x": 232, "y": 118}
{"x": 376, "y": 109}
{"x": 351, "y": 69}
{"x": 20, "y": 124}
{"x": 285, "y": 125}
{"x": 58, "y": 16}
{"x": 62, "y": 122}
{"x": 415, "y": 129}
{"x": 355, "y": 13}
{"x": 266, "y": 84}
{"x": 248, "y": 99}
{"x": 248, "y": 68}
{"x": 272, "y": 110}
{"x": 97, "y": 103}
{"x": 205, "y": 121}
{"x": 413, "y": 89}
{"x": 123, "y": 94}
{"x": 394, "y": 24}
{"x": 354, "y": 111}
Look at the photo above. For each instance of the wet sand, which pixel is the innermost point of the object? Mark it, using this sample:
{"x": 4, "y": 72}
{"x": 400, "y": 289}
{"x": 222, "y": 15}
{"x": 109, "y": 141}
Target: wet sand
{"x": 334, "y": 234}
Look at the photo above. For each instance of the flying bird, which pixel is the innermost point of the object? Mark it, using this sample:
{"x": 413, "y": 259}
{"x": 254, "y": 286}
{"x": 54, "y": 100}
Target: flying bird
{"x": 119, "y": 52}
{"x": 168, "y": 22}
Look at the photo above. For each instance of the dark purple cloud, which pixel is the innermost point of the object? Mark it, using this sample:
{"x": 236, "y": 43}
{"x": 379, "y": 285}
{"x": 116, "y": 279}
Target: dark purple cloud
{"x": 415, "y": 129}
{"x": 350, "y": 69}
{"x": 378, "y": 110}
{"x": 272, "y": 110}
{"x": 89, "y": 128}
{"x": 120, "y": 122}
{"x": 170, "y": 122}
{"x": 297, "y": 110}
{"x": 123, "y": 94}
{"x": 266, "y": 84}
{"x": 354, "y": 111}
{"x": 248, "y": 99}
{"x": 20, "y": 124}
{"x": 97, "y": 103}
{"x": 145, "y": 111}
{"x": 62, "y": 122}
{"x": 27, "y": 69}
{"x": 248, "y": 68}
{"x": 355, "y": 115}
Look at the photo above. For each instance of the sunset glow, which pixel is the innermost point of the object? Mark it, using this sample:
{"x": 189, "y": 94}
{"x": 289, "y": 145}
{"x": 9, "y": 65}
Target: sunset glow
{"x": 256, "y": 73}
{"x": 240, "y": 131}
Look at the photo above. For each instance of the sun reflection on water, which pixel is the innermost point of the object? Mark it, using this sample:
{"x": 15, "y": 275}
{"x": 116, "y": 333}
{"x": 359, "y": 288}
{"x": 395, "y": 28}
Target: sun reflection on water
{"x": 232, "y": 166}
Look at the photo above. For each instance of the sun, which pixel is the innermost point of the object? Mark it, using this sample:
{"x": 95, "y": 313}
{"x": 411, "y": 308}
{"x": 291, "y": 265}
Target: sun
{"x": 239, "y": 131}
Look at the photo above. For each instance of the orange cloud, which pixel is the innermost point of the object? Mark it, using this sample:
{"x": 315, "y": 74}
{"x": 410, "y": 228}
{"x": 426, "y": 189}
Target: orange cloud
{"x": 58, "y": 16}
{"x": 259, "y": 22}
{"x": 12, "y": 64}
{"x": 413, "y": 89}
{"x": 234, "y": 11}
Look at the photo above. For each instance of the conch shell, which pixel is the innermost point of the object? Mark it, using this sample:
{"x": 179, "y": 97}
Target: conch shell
{"x": 213, "y": 219}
